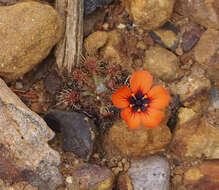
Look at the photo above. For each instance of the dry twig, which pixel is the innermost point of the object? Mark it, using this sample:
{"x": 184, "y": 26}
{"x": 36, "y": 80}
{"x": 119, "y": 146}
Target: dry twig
{"x": 68, "y": 50}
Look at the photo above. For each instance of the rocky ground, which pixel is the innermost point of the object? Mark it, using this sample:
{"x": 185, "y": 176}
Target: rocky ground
{"x": 61, "y": 131}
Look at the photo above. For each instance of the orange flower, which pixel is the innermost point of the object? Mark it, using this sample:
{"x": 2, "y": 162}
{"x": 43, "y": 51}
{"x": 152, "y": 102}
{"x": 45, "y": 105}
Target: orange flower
{"x": 141, "y": 104}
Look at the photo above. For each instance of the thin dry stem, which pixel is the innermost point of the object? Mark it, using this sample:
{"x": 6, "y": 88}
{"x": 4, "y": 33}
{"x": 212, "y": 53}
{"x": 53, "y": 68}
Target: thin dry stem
{"x": 69, "y": 49}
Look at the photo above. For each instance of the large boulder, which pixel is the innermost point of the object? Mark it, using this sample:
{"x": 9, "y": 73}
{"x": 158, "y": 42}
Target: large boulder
{"x": 24, "y": 152}
{"x": 28, "y": 32}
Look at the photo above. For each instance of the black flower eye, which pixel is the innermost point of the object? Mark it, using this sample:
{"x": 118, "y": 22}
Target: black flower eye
{"x": 138, "y": 102}
{"x": 139, "y": 95}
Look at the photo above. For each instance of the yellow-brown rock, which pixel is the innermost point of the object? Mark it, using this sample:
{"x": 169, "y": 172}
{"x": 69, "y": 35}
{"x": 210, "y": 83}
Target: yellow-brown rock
{"x": 124, "y": 182}
{"x": 93, "y": 177}
{"x": 206, "y": 53}
{"x": 141, "y": 142}
{"x": 115, "y": 50}
{"x": 204, "y": 12}
{"x": 95, "y": 41}
{"x": 196, "y": 138}
{"x": 185, "y": 115}
{"x": 193, "y": 86}
{"x": 206, "y": 49}
{"x": 161, "y": 63}
{"x": 167, "y": 38}
{"x": 28, "y": 32}
{"x": 110, "y": 45}
{"x": 149, "y": 14}
{"x": 203, "y": 176}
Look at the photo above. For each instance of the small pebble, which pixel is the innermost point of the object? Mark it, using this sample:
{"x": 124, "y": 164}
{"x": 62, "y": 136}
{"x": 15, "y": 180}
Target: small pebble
{"x": 69, "y": 179}
{"x": 19, "y": 85}
{"x": 100, "y": 88}
{"x": 91, "y": 176}
{"x": 181, "y": 187}
{"x": 141, "y": 45}
{"x": 106, "y": 26}
{"x": 76, "y": 161}
{"x": 124, "y": 160}
{"x": 117, "y": 170}
{"x": 216, "y": 104}
{"x": 177, "y": 179}
{"x": 126, "y": 166}
{"x": 213, "y": 94}
{"x": 121, "y": 26}
{"x": 178, "y": 171}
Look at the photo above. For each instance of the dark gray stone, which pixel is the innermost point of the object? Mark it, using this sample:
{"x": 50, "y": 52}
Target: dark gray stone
{"x": 91, "y": 5}
{"x": 78, "y": 131}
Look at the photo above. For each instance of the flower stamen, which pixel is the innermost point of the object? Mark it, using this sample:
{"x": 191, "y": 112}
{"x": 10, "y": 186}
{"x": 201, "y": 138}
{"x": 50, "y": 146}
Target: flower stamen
{"x": 138, "y": 102}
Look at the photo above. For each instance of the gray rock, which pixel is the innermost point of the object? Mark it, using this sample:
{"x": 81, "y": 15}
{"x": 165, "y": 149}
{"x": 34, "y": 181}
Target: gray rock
{"x": 78, "y": 131}
{"x": 24, "y": 152}
{"x": 91, "y": 5}
{"x": 214, "y": 98}
{"x": 150, "y": 174}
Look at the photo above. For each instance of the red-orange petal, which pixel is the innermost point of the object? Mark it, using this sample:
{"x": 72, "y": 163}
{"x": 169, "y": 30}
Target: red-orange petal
{"x": 132, "y": 119}
{"x": 141, "y": 80}
{"x": 151, "y": 118}
{"x": 120, "y": 97}
{"x": 159, "y": 96}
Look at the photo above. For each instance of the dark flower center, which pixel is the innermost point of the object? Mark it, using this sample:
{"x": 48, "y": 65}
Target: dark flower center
{"x": 139, "y": 102}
